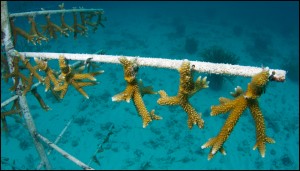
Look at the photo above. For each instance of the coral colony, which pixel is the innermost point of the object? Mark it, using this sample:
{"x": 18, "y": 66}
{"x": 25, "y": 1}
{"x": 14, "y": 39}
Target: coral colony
{"x": 241, "y": 101}
{"x": 187, "y": 89}
{"x": 135, "y": 90}
{"x": 58, "y": 83}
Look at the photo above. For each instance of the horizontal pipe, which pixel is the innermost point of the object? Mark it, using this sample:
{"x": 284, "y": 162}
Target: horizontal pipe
{"x": 34, "y": 13}
{"x": 202, "y": 67}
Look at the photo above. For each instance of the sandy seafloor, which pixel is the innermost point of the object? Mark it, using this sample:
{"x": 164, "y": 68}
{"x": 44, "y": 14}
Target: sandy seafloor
{"x": 160, "y": 29}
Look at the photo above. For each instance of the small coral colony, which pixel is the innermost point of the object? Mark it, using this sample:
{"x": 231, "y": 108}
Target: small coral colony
{"x": 58, "y": 83}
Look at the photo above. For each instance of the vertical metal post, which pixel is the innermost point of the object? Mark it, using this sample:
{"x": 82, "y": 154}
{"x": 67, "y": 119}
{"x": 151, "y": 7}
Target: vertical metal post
{"x": 12, "y": 53}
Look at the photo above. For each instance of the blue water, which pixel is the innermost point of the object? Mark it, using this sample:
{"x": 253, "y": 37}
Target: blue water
{"x": 259, "y": 33}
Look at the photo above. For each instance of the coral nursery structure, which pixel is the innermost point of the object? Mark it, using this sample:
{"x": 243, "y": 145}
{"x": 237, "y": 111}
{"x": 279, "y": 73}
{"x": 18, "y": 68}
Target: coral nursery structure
{"x": 18, "y": 67}
{"x": 50, "y": 29}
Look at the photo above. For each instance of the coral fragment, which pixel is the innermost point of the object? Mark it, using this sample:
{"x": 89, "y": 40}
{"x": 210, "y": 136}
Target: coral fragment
{"x": 187, "y": 88}
{"x": 237, "y": 106}
{"x": 70, "y": 76}
{"x": 135, "y": 90}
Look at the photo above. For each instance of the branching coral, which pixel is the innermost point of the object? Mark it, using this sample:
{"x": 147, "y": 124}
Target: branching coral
{"x": 64, "y": 25}
{"x": 50, "y": 77}
{"x": 18, "y": 31}
{"x": 15, "y": 109}
{"x": 187, "y": 88}
{"x": 40, "y": 100}
{"x": 34, "y": 31}
{"x": 135, "y": 91}
{"x": 51, "y": 28}
{"x": 237, "y": 106}
{"x": 69, "y": 76}
{"x": 100, "y": 18}
{"x": 34, "y": 36}
{"x": 78, "y": 28}
{"x": 27, "y": 82}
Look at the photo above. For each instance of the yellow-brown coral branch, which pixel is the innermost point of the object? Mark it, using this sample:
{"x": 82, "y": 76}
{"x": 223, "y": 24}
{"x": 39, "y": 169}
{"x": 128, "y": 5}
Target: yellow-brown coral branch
{"x": 34, "y": 31}
{"x": 232, "y": 119}
{"x": 224, "y": 107}
{"x": 51, "y": 28}
{"x": 68, "y": 76}
{"x": 28, "y": 37}
{"x": 40, "y": 100}
{"x": 193, "y": 117}
{"x": 261, "y": 137}
{"x": 31, "y": 69}
{"x": 133, "y": 91}
{"x": 237, "y": 106}
{"x": 187, "y": 88}
{"x": 141, "y": 108}
{"x": 166, "y": 100}
{"x": 43, "y": 65}
{"x": 125, "y": 95}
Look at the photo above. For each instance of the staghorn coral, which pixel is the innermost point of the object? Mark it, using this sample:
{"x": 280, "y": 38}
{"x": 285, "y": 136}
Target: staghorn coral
{"x": 78, "y": 28}
{"x": 18, "y": 31}
{"x": 187, "y": 88}
{"x": 50, "y": 76}
{"x": 34, "y": 31}
{"x": 100, "y": 18}
{"x": 69, "y": 76}
{"x": 237, "y": 106}
{"x": 40, "y": 100}
{"x": 135, "y": 90}
{"x": 51, "y": 28}
{"x": 34, "y": 36}
{"x": 15, "y": 109}
{"x": 27, "y": 82}
{"x": 64, "y": 25}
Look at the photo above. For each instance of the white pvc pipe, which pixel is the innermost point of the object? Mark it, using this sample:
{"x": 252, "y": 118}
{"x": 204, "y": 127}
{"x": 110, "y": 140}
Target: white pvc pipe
{"x": 64, "y": 153}
{"x": 33, "y": 13}
{"x": 202, "y": 67}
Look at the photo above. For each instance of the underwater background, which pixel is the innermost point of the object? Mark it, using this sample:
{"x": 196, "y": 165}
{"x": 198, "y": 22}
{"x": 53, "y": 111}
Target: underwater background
{"x": 253, "y": 33}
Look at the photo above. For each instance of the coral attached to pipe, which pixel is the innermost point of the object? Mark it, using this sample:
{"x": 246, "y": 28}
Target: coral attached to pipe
{"x": 69, "y": 76}
{"x": 237, "y": 106}
{"x": 15, "y": 109}
{"x": 27, "y": 82}
{"x": 34, "y": 36}
{"x": 202, "y": 67}
{"x": 135, "y": 91}
{"x": 39, "y": 98}
{"x": 187, "y": 88}
{"x": 50, "y": 76}
{"x": 51, "y": 28}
